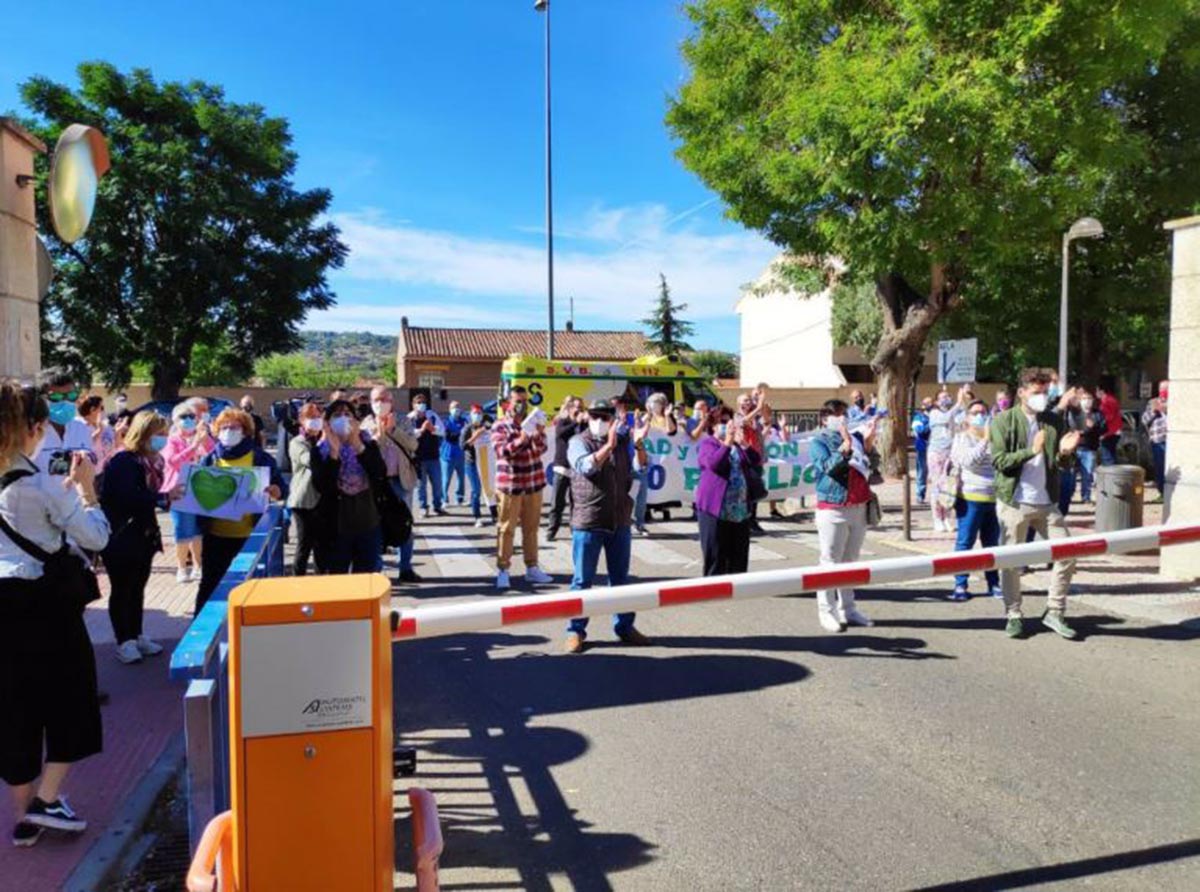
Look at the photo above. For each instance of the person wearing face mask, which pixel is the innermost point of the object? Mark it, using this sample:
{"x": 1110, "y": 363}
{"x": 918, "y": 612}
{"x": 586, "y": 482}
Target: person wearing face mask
{"x": 223, "y": 539}
{"x": 66, "y": 432}
{"x": 247, "y": 406}
{"x": 944, "y": 420}
{"x": 566, "y": 425}
{"x": 722, "y": 497}
{"x": 520, "y": 479}
{"x": 976, "y": 508}
{"x": 860, "y": 410}
{"x": 1155, "y": 419}
{"x": 601, "y": 513}
{"x": 1003, "y": 402}
{"x": 843, "y": 468}
{"x": 430, "y": 432}
{"x": 469, "y": 438}
{"x": 920, "y": 435}
{"x": 1110, "y": 408}
{"x": 303, "y": 496}
{"x": 90, "y": 410}
{"x": 451, "y": 455}
{"x": 49, "y": 702}
{"x": 120, "y": 404}
{"x": 397, "y": 444}
{"x": 346, "y": 465}
{"x": 1093, "y": 427}
{"x": 132, "y": 493}
{"x": 696, "y": 426}
{"x": 1076, "y": 418}
{"x": 188, "y": 442}
{"x": 1029, "y": 447}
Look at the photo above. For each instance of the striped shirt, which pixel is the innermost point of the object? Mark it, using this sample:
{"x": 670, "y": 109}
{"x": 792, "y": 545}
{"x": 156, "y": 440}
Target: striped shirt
{"x": 519, "y": 467}
{"x": 1156, "y": 424}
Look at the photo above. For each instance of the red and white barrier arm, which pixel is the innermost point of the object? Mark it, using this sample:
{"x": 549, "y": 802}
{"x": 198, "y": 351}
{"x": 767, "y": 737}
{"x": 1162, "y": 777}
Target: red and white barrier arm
{"x": 493, "y": 613}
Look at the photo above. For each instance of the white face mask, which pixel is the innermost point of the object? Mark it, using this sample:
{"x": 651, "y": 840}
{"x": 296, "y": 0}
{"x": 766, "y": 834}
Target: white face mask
{"x": 1086, "y": 405}
{"x": 1036, "y": 402}
{"x": 834, "y": 422}
{"x": 230, "y": 437}
{"x": 722, "y": 430}
{"x": 340, "y": 425}
{"x": 598, "y": 427}
{"x": 313, "y": 424}
{"x": 419, "y": 408}
{"x": 381, "y": 408}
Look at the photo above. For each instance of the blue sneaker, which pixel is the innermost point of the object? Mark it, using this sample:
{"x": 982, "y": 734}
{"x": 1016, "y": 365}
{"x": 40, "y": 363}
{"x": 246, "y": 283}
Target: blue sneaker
{"x": 960, "y": 593}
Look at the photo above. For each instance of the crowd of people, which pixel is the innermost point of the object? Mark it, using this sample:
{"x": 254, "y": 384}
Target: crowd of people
{"x": 81, "y": 489}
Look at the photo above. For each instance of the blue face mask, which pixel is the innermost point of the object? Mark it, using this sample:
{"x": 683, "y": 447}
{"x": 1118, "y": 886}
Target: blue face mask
{"x": 158, "y": 442}
{"x": 476, "y": 417}
{"x": 62, "y": 413}
{"x": 454, "y": 413}
{"x": 187, "y": 424}
{"x": 341, "y": 425}
{"x": 979, "y": 420}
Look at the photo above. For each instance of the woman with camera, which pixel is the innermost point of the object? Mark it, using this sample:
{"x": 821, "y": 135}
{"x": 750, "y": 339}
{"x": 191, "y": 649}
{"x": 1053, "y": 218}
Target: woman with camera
{"x": 49, "y": 707}
{"x": 131, "y": 494}
{"x": 723, "y": 503}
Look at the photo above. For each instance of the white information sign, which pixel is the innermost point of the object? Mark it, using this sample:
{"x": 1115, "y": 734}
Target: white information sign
{"x": 957, "y": 360}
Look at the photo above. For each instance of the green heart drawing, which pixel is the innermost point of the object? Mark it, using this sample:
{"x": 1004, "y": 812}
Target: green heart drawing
{"x": 212, "y": 489}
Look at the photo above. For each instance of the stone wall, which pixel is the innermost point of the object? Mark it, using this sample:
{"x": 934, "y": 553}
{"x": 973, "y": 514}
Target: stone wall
{"x": 20, "y": 340}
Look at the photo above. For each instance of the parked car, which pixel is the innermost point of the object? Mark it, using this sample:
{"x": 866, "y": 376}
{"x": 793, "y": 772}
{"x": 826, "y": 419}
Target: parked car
{"x": 216, "y": 405}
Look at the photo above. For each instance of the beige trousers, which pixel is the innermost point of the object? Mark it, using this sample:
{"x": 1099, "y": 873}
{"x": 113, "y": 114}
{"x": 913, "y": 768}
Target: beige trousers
{"x": 524, "y": 511}
{"x": 1014, "y": 523}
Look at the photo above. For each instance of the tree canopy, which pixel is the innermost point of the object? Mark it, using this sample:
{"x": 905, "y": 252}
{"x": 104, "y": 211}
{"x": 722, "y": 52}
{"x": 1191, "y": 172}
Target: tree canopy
{"x": 199, "y": 236}
{"x": 940, "y": 148}
{"x": 667, "y": 330}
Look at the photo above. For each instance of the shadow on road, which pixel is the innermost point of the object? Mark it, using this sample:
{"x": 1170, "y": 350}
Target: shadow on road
{"x": 468, "y": 710}
{"x": 1070, "y": 870}
{"x": 845, "y": 645}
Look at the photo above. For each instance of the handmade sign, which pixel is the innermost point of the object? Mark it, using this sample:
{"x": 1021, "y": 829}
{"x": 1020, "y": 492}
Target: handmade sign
{"x": 224, "y": 493}
{"x": 675, "y": 470}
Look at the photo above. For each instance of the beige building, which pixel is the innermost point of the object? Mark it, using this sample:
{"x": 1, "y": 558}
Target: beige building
{"x": 24, "y": 268}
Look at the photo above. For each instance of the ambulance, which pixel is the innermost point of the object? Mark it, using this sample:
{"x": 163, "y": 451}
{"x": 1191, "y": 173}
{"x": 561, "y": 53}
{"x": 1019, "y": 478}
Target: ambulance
{"x": 550, "y": 381}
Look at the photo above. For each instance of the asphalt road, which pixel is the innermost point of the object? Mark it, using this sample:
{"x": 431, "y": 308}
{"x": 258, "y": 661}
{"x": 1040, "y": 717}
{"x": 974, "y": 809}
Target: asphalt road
{"x": 748, "y": 749}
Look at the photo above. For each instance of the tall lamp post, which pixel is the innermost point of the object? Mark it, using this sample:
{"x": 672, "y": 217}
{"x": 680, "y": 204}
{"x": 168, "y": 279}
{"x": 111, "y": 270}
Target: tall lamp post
{"x": 543, "y": 6}
{"x": 1084, "y": 227}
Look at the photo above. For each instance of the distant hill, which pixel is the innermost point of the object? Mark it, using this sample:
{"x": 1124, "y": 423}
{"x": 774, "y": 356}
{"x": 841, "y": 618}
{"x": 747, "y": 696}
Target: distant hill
{"x": 349, "y": 348}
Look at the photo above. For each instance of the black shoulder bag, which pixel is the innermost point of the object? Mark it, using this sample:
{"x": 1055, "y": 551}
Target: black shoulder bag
{"x": 64, "y": 572}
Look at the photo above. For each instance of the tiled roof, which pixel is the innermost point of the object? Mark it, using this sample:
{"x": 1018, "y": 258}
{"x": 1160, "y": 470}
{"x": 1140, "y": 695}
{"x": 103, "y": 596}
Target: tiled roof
{"x": 497, "y": 344}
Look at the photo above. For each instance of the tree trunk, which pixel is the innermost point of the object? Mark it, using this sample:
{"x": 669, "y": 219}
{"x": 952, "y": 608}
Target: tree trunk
{"x": 168, "y": 375}
{"x": 908, "y": 318}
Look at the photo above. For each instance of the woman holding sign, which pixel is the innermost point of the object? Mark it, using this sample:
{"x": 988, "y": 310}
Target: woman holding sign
{"x": 223, "y": 539}
{"x": 723, "y": 506}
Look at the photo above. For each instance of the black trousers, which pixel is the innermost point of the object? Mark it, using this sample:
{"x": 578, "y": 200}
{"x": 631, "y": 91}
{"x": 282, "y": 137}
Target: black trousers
{"x": 218, "y": 553}
{"x": 562, "y": 492}
{"x": 128, "y": 574}
{"x": 724, "y": 544}
{"x": 306, "y": 539}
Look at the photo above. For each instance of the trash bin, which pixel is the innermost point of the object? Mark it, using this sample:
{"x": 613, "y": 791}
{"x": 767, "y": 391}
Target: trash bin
{"x": 1120, "y": 493}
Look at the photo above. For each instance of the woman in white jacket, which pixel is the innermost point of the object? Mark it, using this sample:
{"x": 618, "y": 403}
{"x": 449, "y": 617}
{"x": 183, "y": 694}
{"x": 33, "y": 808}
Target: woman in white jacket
{"x": 976, "y": 505}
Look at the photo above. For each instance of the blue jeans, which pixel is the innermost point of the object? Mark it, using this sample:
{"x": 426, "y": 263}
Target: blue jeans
{"x": 429, "y": 470}
{"x": 360, "y": 553}
{"x": 639, "y": 502}
{"x": 1087, "y": 472}
{"x": 476, "y": 487}
{"x": 1159, "y": 451}
{"x": 406, "y": 550}
{"x": 586, "y": 546}
{"x": 449, "y": 467}
{"x": 977, "y": 519}
{"x": 1066, "y": 489}
{"x": 1108, "y": 450}
{"x": 922, "y": 474}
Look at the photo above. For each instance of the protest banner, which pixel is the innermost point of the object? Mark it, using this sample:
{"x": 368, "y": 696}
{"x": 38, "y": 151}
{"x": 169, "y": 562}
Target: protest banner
{"x": 223, "y": 493}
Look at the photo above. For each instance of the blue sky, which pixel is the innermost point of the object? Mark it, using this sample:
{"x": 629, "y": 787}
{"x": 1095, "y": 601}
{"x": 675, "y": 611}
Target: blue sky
{"x": 425, "y": 119}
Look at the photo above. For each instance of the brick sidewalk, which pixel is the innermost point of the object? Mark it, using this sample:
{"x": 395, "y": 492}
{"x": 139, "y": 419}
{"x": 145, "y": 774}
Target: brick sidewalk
{"x": 144, "y": 712}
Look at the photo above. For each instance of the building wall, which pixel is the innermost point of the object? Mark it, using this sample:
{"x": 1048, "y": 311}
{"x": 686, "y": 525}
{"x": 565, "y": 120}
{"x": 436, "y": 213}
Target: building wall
{"x": 20, "y": 340}
{"x": 786, "y": 341}
{"x": 455, "y": 372}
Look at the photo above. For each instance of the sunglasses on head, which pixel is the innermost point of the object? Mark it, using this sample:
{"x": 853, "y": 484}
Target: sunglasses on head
{"x": 69, "y": 396}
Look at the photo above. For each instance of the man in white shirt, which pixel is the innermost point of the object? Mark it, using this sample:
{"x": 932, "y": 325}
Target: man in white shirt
{"x": 66, "y": 431}
{"x": 1029, "y": 447}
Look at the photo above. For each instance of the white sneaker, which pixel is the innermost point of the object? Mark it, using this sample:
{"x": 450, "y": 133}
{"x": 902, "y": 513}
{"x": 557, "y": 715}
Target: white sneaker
{"x": 194, "y": 574}
{"x": 183, "y": 575}
{"x": 478, "y": 522}
{"x": 937, "y": 526}
{"x": 502, "y": 581}
{"x": 855, "y": 617}
{"x": 148, "y": 648}
{"x": 829, "y": 622}
{"x": 538, "y": 575}
{"x": 129, "y": 653}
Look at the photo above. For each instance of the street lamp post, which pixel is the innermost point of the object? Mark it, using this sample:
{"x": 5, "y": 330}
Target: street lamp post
{"x": 1084, "y": 227}
{"x": 543, "y": 6}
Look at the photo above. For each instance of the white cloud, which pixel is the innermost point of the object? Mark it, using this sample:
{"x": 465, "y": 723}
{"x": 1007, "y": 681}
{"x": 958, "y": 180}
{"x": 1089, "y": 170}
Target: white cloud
{"x": 609, "y": 263}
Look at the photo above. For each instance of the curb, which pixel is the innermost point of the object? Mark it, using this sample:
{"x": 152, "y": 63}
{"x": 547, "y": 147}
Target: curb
{"x": 128, "y": 821}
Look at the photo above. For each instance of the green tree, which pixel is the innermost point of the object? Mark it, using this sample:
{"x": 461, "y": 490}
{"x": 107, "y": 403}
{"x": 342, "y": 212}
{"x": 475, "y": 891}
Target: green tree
{"x": 936, "y": 146}
{"x": 667, "y": 330}
{"x": 199, "y": 232}
{"x": 215, "y": 364}
{"x": 715, "y": 363}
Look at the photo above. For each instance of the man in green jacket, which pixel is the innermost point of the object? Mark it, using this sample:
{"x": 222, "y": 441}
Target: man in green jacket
{"x": 1029, "y": 447}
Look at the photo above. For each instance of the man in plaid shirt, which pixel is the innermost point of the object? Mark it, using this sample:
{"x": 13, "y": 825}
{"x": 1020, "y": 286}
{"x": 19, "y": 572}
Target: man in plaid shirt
{"x": 1155, "y": 419}
{"x": 520, "y": 479}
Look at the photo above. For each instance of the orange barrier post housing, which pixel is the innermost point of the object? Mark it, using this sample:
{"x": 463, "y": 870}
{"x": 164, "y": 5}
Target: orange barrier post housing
{"x": 310, "y": 712}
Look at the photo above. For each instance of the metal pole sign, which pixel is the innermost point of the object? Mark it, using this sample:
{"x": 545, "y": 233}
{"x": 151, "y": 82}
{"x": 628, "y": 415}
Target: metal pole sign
{"x": 957, "y": 360}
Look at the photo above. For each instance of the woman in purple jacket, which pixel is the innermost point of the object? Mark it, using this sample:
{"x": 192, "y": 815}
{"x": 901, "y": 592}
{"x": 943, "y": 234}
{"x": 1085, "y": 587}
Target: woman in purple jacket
{"x": 722, "y": 503}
